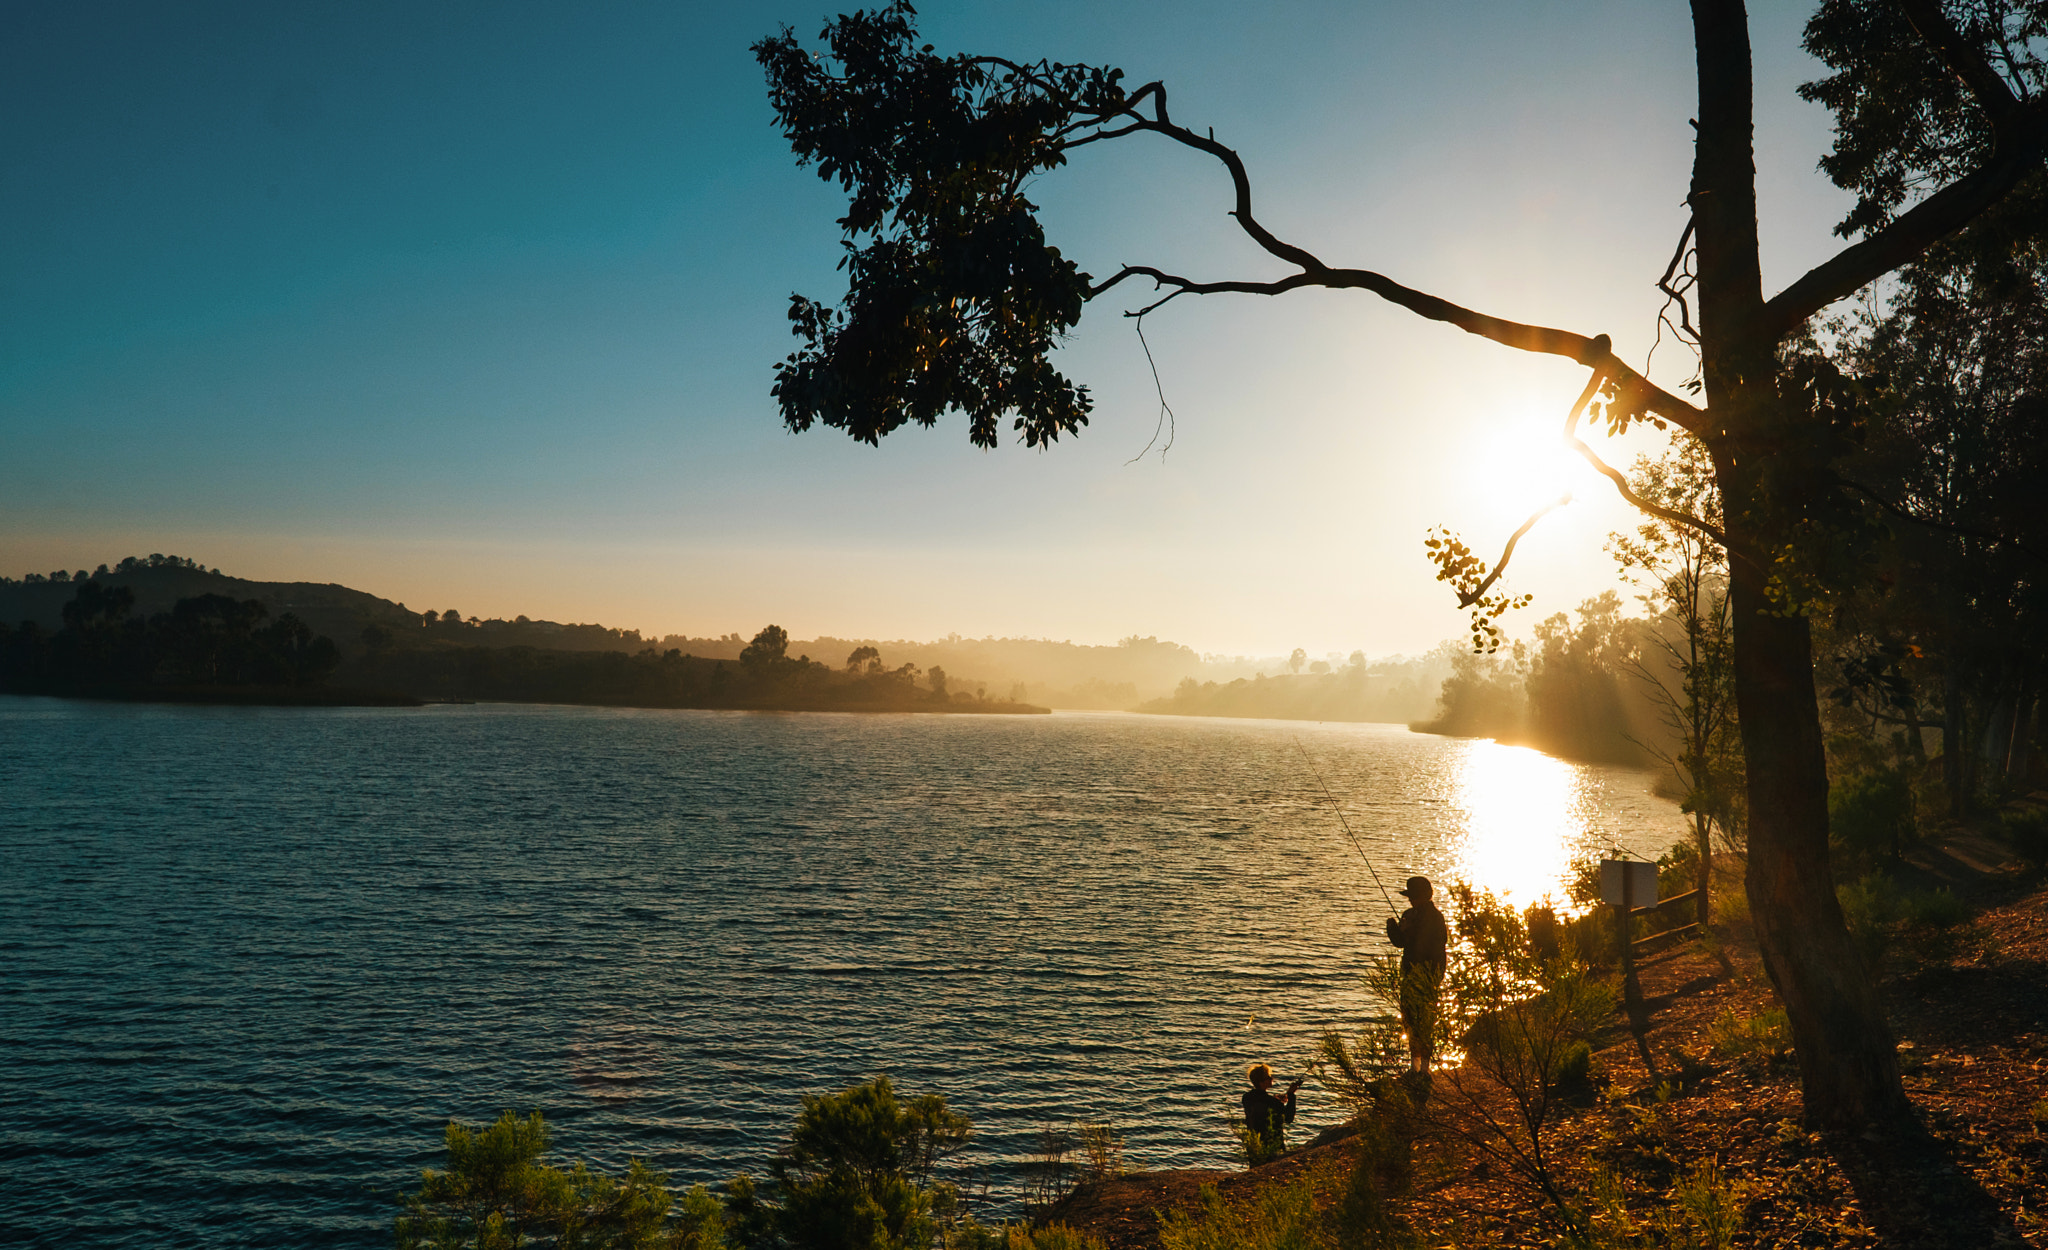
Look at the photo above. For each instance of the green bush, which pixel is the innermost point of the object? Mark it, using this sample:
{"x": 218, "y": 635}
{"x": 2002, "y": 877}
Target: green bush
{"x": 1939, "y": 909}
{"x": 1023, "y": 1237}
{"x": 1055, "y": 1237}
{"x": 1704, "y": 1212}
{"x": 498, "y": 1195}
{"x": 2027, "y": 830}
{"x": 1870, "y": 907}
{"x": 1872, "y": 813}
{"x": 1763, "y": 1039}
{"x": 1574, "y": 1068}
{"x": 857, "y": 1172}
{"x": 1285, "y": 1218}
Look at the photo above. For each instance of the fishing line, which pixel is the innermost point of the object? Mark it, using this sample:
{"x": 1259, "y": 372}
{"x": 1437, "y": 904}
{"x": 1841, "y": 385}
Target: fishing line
{"x": 1334, "y": 806}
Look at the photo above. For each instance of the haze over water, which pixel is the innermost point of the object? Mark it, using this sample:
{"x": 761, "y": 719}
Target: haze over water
{"x": 256, "y": 959}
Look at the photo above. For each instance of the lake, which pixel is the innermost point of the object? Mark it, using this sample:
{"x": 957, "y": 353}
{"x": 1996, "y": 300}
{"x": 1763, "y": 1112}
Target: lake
{"x": 255, "y": 959}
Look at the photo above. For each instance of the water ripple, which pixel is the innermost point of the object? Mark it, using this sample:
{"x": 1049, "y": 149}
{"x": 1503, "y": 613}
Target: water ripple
{"x": 256, "y": 959}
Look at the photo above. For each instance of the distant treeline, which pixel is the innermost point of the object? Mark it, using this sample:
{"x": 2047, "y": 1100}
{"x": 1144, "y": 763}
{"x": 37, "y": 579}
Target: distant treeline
{"x": 1579, "y": 690}
{"x": 764, "y": 676}
{"x": 1394, "y": 692}
{"x": 207, "y": 641}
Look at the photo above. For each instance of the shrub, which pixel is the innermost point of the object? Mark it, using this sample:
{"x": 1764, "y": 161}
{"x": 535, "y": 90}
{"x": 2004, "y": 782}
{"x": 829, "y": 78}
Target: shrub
{"x": 1574, "y": 1068}
{"x": 1277, "y": 1218}
{"x": 1705, "y": 1212}
{"x": 1939, "y": 909}
{"x": 497, "y": 1193}
{"x": 1055, "y": 1237}
{"x": 1024, "y": 1237}
{"x": 1103, "y": 1148}
{"x": 1870, "y": 907}
{"x": 1285, "y": 1218}
{"x": 1872, "y": 813}
{"x": 857, "y": 1170}
{"x": 1764, "y": 1039}
{"x": 2027, "y": 830}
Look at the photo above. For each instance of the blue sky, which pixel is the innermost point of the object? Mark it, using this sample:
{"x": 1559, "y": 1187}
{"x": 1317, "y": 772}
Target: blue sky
{"x": 475, "y": 306}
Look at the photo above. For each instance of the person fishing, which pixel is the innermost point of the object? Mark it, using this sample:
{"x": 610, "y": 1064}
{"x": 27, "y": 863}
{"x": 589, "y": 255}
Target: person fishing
{"x": 1266, "y": 1117}
{"x": 1423, "y": 937}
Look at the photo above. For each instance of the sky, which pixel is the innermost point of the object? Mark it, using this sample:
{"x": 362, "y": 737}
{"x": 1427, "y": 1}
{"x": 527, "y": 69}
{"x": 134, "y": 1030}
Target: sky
{"x": 476, "y": 306}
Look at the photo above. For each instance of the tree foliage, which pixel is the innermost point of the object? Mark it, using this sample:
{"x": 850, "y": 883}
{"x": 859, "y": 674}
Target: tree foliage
{"x": 858, "y": 1173}
{"x": 955, "y": 300}
{"x": 497, "y": 1194}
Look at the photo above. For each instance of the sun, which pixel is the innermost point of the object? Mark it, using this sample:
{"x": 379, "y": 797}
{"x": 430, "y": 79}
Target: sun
{"x": 1520, "y": 464}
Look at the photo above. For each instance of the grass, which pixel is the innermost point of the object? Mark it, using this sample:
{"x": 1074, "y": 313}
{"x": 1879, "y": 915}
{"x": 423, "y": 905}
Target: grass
{"x": 1761, "y": 1040}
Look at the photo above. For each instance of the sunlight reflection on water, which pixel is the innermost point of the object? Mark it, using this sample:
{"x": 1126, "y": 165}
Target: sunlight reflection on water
{"x": 1526, "y": 817}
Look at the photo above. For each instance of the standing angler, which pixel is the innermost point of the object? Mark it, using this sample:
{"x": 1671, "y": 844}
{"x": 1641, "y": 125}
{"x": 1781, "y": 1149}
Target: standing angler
{"x": 1422, "y": 935}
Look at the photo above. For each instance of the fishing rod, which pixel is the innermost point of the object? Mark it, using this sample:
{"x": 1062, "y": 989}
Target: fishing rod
{"x": 1336, "y": 807}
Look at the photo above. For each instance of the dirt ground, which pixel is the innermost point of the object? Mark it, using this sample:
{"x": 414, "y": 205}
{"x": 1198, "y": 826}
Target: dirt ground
{"x": 1969, "y": 1004}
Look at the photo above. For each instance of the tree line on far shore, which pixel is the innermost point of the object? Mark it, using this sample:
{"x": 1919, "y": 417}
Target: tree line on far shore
{"x": 206, "y": 641}
{"x": 215, "y": 642}
{"x": 764, "y": 676}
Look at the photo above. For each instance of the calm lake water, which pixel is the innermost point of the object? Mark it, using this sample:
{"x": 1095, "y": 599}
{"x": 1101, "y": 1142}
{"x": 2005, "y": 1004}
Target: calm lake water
{"x": 255, "y": 959}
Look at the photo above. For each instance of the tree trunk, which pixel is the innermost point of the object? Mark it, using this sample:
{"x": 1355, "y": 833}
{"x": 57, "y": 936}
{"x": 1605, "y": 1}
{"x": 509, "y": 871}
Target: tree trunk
{"x": 2021, "y": 757}
{"x": 1998, "y": 732}
{"x": 1954, "y": 775}
{"x": 1848, "y": 1063}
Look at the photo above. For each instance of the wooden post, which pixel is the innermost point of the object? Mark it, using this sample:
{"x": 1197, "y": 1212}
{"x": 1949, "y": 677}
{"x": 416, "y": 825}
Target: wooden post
{"x": 1624, "y": 923}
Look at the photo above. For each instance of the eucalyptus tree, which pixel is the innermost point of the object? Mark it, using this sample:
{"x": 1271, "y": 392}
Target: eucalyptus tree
{"x": 956, "y": 301}
{"x": 1686, "y": 576}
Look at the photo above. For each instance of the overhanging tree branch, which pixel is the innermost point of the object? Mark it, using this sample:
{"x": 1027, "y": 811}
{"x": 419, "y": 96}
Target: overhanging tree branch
{"x": 2019, "y": 137}
{"x": 1620, "y": 480}
{"x": 1594, "y": 352}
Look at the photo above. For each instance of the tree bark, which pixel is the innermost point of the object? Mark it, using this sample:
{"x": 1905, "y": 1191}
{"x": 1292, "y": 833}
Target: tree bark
{"x": 1955, "y": 776}
{"x": 2020, "y": 759}
{"x": 1848, "y": 1064}
{"x": 1848, "y": 1061}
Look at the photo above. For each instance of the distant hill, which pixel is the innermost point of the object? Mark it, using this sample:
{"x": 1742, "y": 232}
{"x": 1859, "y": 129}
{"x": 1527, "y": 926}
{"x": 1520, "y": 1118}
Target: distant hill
{"x": 326, "y": 608}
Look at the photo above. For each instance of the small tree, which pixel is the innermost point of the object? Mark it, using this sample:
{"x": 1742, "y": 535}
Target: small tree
{"x": 1687, "y": 576}
{"x": 856, "y": 1174}
{"x": 496, "y": 1194}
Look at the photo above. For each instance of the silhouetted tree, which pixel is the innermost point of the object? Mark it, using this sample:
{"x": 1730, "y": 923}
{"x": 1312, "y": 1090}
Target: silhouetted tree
{"x": 956, "y": 301}
{"x": 291, "y": 655}
{"x": 863, "y": 658}
{"x": 857, "y": 1171}
{"x": 1296, "y": 660}
{"x": 767, "y": 651}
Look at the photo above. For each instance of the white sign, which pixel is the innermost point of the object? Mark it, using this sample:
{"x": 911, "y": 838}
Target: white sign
{"x": 1642, "y": 882}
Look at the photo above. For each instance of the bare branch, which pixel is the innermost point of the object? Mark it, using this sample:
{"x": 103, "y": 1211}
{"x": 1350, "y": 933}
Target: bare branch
{"x": 1593, "y": 352}
{"x": 1572, "y": 439}
{"x": 1466, "y": 598}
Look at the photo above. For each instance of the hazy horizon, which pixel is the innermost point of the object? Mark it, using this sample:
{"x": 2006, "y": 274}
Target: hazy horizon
{"x": 478, "y": 308}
